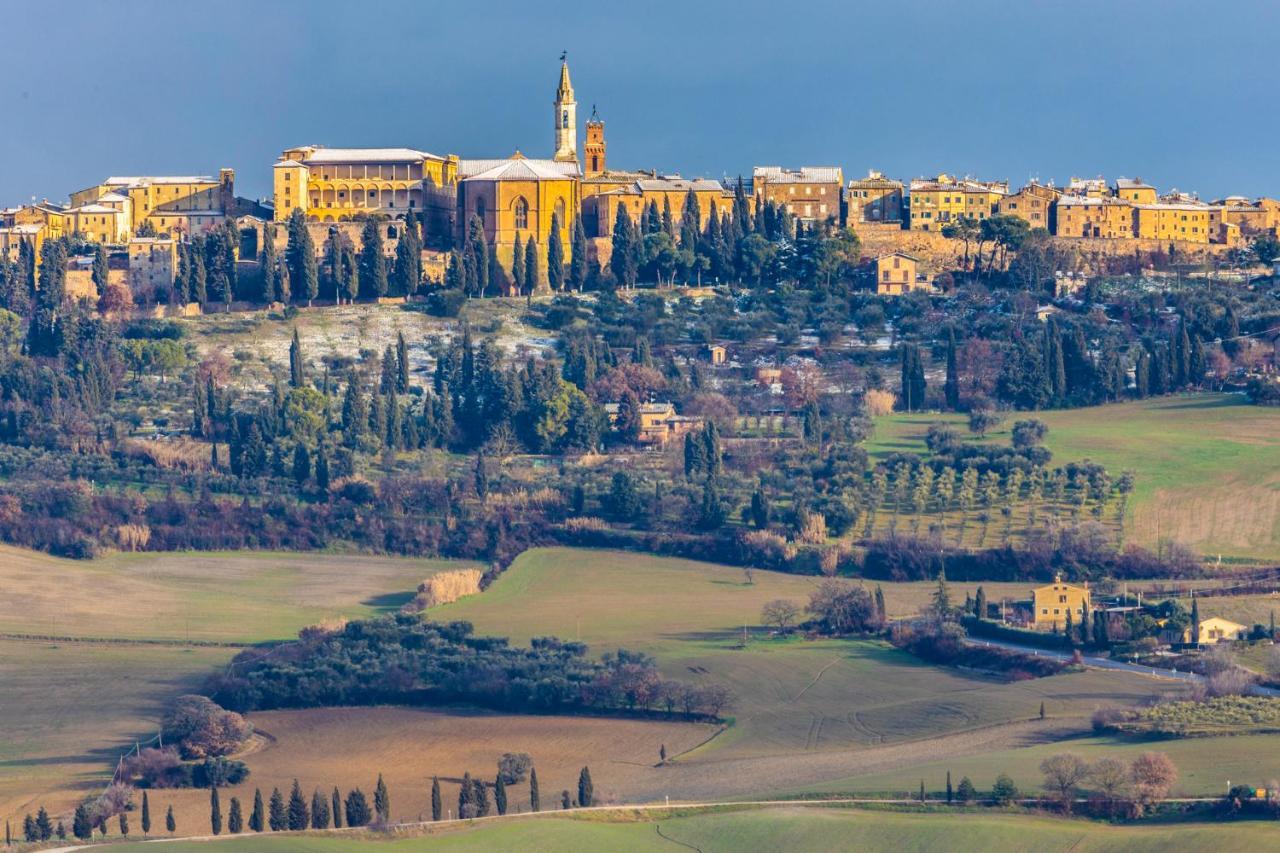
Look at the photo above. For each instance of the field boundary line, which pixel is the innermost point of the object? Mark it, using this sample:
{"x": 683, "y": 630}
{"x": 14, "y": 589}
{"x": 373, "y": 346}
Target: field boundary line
{"x": 123, "y": 641}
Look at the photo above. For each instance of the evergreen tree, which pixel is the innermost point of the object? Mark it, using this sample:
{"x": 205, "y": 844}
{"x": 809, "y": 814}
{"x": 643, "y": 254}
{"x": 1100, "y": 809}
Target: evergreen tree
{"x": 408, "y": 265}
{"x": 301, "y": 463}
{"x": 215, "y": 811}
{"x": 535, "y": 801}
{"x": 578, "y": 256}
{"x": 436, "y": 803}
{"x": 373, "y": 263}
{"x": 1195, "y": 621}
{"x": 297, "y": 369}
{"x": 235, "y": 820}
{"x": 61, "y": 831}
{"x": 586, "y": 793}
{"x": 881, "y": 612}
{"x": 913, "y": 382}
{"x": 319, "y": 810}
{"x": 300, "y": 258}
{"x": 81, "y": 827}
{"x": 199, "y": 273}
{"x": 466, "y": 797}
{"x": 480, "y": 797}
{"x": 298, "y": 818}
{"x": 337, "y": 809}
{"x": 481, "y": 477}
{"x": 980, "y": 604}
{"x": 146, "y": 814}
{"x": 349, "y": 280}
{"x": 256, "y": 817}
{"x": 99, "y": 274}
{"x": 44, "y": 827}
{"x": 622, "y": 262}
{"x": 382, "y": 801}
{"x": 950, "y": 793}
{"x": 124, "y": 824}
{"x": 284, "y": 285}
{"x": 476, "y": 256}
{"x": 267, "y": 264}
{"x": 565, "y": 802}
{"x": 555, "y": 256}
{"x": 517, "y": 265}
{"x": 277, "y": 818}
{"x": 357, "y": 808}
{"x": 500, "y": 795}
{"x": 531, "y": 274}
{"x": 402, "y": 364}
{"x": 760, "y": 509}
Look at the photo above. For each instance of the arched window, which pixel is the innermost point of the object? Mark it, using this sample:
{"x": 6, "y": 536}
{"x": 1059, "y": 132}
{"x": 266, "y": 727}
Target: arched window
{"x": 522, "y": 214}
{"x": 564, "y": 119}
{"x": 560, "y": 212}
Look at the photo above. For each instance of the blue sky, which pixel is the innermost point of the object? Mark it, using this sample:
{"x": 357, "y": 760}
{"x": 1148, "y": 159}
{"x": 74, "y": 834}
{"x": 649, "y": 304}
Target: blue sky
{"x": 1183, "y": 94}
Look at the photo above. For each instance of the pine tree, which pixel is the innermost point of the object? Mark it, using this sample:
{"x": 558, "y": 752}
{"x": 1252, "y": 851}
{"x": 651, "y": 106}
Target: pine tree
{"x": 256, "y": 817}
{"x": 215, "y": 811}
{"x": 81, "y": 827}
{"x": 277, "y": 818}
{"x": 578, "y": 257}
{"x": 61, "y": 831}
{"x": 500, "y": 795}
{"x": 382, "y": 801}
{"x": 170, "y": 824}
{"x": 535, "y": 803}
{"x": 298, "y": 817}
{"x": 44, "y": 827}
{"x": 357, "y": 808}
{"x": 146, "y": 814}
{"x": 436, "y": 803}
{"x": 586, "y": 793}
{"x": 235, "y": 820}
{"x": 555, "y": 256}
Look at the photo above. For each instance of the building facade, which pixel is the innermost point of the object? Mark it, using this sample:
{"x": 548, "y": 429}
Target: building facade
{"x": 810, "y": 194}
{"x": 874, "y": 198}
{"x": 1051, "y": 604}
{"x": 898, "y": 273}
{"x": 1033, "y": 204}
{"x": 184, "y": 205}
{"x": 934, "y": 202}
{"x": 1093, "y": 216}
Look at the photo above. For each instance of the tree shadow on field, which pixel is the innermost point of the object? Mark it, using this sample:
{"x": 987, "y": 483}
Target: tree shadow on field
{"x": 1215, "y": 403}
{"x": 389, "y": 600}
{"x": 725, "y": 635}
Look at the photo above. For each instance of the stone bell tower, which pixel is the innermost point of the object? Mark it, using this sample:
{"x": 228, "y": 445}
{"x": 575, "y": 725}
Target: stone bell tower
{"x": 566, "y": 118}
{"x": 593, "y": 148}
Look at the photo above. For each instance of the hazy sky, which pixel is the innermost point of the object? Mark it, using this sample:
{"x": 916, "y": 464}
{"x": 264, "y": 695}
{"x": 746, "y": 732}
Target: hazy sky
{"x": 1183, "y": 93}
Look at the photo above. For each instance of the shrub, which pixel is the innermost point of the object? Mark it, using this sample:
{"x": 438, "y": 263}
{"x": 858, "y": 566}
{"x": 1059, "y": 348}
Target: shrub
{"x": 203, "y": 729}
{"x": 1004, "y": 791}
{"x": 445, "y": 587}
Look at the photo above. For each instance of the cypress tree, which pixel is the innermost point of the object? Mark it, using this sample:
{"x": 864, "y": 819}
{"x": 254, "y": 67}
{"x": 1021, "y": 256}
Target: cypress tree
{"x": 586, "y": 792}
{"x": 382, "y": 801}
{"x": 517, "y": 265}
{"x": 373, "y": 264}
{"x": 357, "y": 808}
{"x": 215, "y": 811}
{"x": 531, "y": 265}
{"x": 100, "y": 269}
{"x": 350, "y": 278}
{"x": 466, "y": 797}
{"x": 61, "y": 831}
{"x": 1195, "y": 621}
{"x": 880, "y": 607}
{"x": 124, "y": 824}
{"x": 402, "y": 364}
{"x": 297, "y": 370}
{"x": 480, "y": 796}
{"x": 565, "y": 802}
{"x": 235, "y": 820}
{"x": 44, "y": 827}
{"x": 256, "y": 816}
{"x": 623, "y": 260}
{"x": 298, "y": 817}
{"x": 337, "y": 809}
{"x": 146, "y": 814}
{"x": 535, "y": 802}
{"x": 435, "y": 798}
{"x": 980, "y": 604}
{"x": 169, "y": 823}
{"x": 300, "y": 256}
{"x": 319, "y": 810}
{"x": 408, "y": 265}
{"x": 199, "y": 275}
{"x": 578, "y": 256}
{"x": 500, "y": 795}
{"x": 950, "y": 793}
{"x": 268, "y": 263}
{"x": 555, "y": 256}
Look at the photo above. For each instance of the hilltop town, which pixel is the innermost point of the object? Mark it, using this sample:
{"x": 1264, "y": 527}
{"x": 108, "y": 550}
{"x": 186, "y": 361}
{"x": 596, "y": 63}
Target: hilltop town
{"x": 538, "y": 490}
{"x": 575, "y": 201}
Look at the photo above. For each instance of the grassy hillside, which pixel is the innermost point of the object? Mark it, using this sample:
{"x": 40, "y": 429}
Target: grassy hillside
{"x": 792, "y": 828}
{"x": 1208, "y": 465}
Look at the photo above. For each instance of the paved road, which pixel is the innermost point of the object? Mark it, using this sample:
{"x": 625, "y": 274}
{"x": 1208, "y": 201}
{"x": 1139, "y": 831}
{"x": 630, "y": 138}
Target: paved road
{"x": 1109, "y": 663}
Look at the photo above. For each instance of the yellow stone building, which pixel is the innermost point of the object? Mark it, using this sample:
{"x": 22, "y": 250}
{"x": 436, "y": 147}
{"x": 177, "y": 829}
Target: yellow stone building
{"x": 1033, "y": 204}
{"x": 1135, "y": 191}
{"x": 1052, "y": 603}
{"x": 518, "y": 197}
{"x": 810, "y": 193}
{"x": 1093, "y": 216}
{"x": 1088, "y": 187}
{"x": 874, "y": 198}
{"x": 339, "y": 184}
{"x": 898, "y": 273}
{"x": 600, "y": 210}
{"x": 1166, "y": 221}
{"x": 934, "y": 202}
{"x": 1215, "y": 629}
{"x": 185, "y": 205}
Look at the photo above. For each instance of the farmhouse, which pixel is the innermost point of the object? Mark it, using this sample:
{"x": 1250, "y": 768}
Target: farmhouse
{"x": 898, "y": 273}
{"x": 1217, "y": 630}
{"x": 1053, "y": 602}
{"x": 659, "y": 422}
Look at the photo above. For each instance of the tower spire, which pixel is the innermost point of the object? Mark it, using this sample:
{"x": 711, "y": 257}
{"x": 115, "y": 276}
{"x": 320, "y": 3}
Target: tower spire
{"x": 566, "y": 116}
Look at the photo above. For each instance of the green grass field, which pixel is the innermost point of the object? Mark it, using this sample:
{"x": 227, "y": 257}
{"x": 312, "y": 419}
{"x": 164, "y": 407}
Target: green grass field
{"x": 69, "y": 708}
{"x": 1208, "y": 465}
{"x": 802, "y": 707}
{"x": 788, "y": 828}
